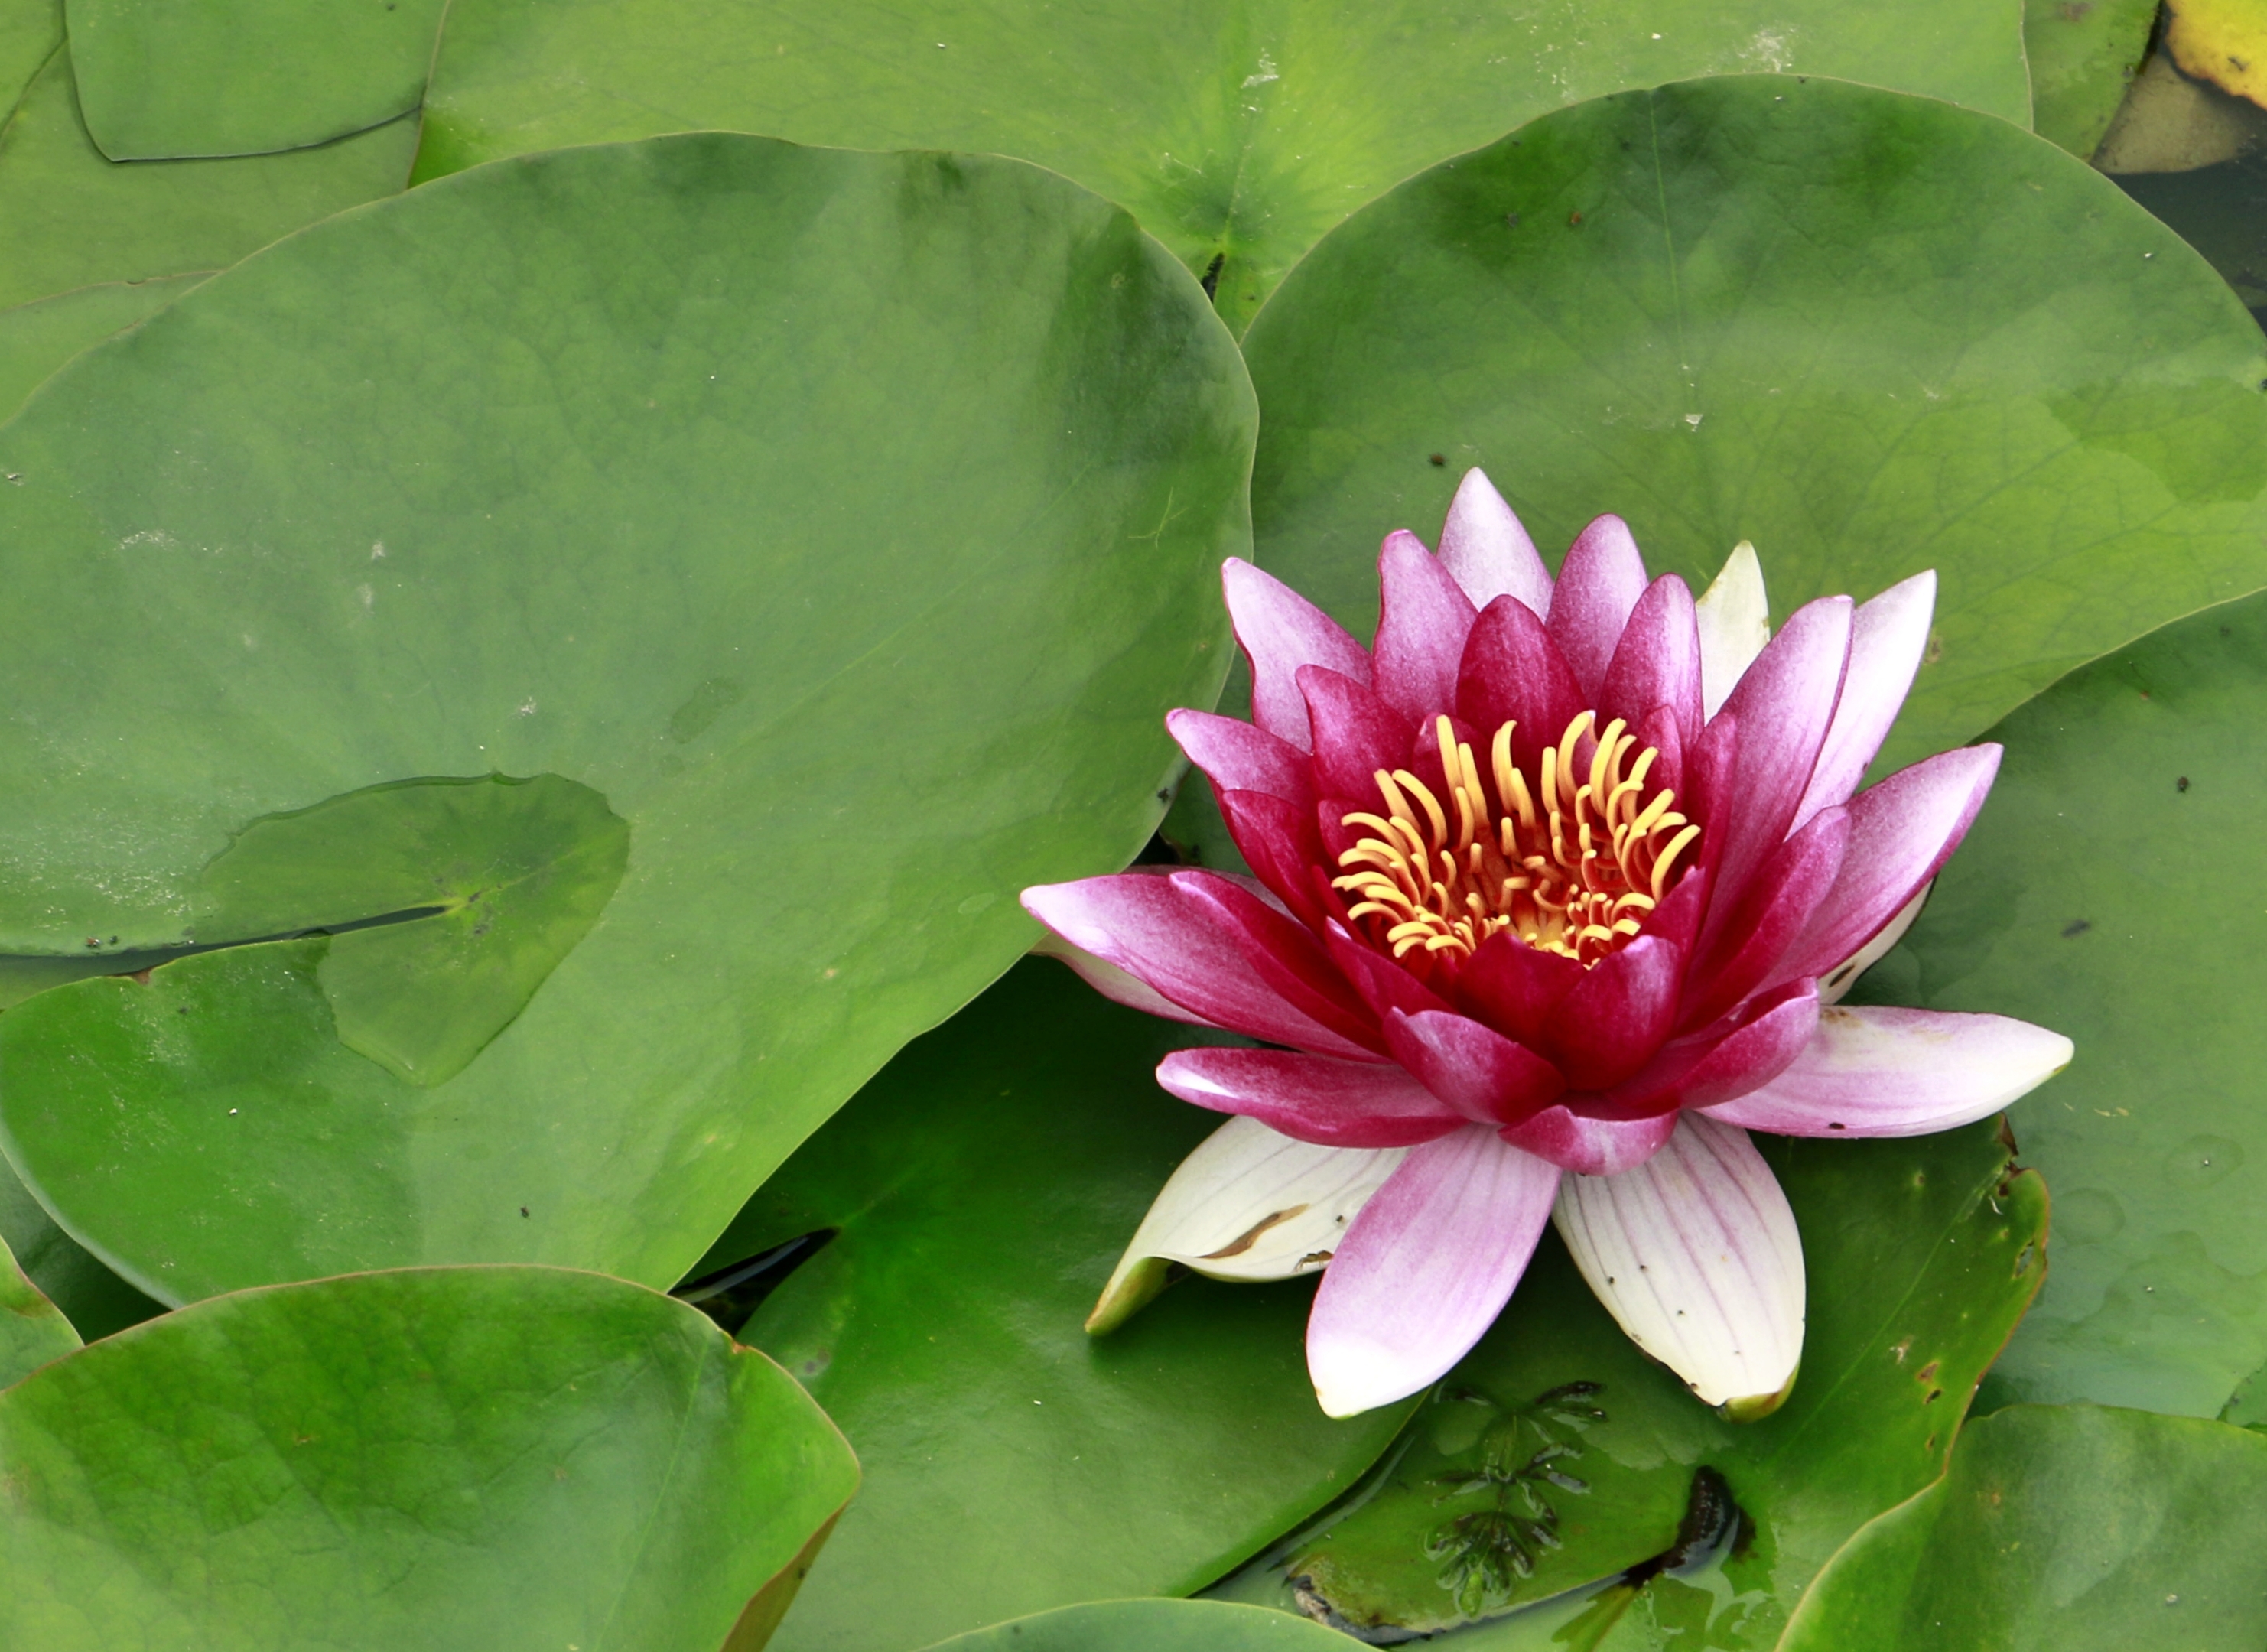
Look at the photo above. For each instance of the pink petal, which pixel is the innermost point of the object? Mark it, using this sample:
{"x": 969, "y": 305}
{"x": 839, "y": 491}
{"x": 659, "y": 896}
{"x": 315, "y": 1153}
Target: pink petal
{"x": 1728, "y": 1059}
{"x": 1425, "y": 1269}
{"x": 1599, "y": 585}
{"x": 1589, "y": 1145}
{"x": 1311, "y": 1097}
{"x": 1887, "y": 636}
{"x": 1384, "y": 986}
{"x": 1900, "y": 1072}
{"x": 1278, "y": 841}
{"x": 1280, "y": 631}
{"x": 1617, "y": 1015}
{"x": 1283, "y": 954}
{"x": 1744, "y": 944}
{"x": 1484, "y": 546}
{"x": 1113, "y": 982}
{"x": 1696, "y": 1254}
{"x": 1513, "y": 672}
{"x": 1901, "y": 832}
{"x": 1657, "y": 661}
{"x": 1239, "y": 756}
{"x": 1514, "y": 987}
{"x": 1355, "y": 733}
{"x": 1167, "y": 933}
{"x": 1423, "y": 620}
{"x": 1475, "y": 1069}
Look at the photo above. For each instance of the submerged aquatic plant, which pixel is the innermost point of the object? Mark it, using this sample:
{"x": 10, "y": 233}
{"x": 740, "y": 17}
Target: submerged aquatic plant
{"x": 1557, "y": 884}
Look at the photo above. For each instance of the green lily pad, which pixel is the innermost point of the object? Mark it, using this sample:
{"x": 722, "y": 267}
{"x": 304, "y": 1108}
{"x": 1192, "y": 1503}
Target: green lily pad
{"x": 1239, "y": 134}
{"x": 845, "y": 523}
{"x": 1150, "y": 1625}
{"x": 1871, "y": 333}
{"x": 1557, "y": 1456}
{"x": 95, "y": 1300}
{"x": 33, "y": 1329}
{"x": 160, "y": 79}
{"x": 2061, "y": 1529}
{"x": 447, "y": 1458}
{"x": 39, "y": 337}
{"x": 31, "y": 32}
{"x": 76, "y": 219}
{"x": 2107, "y": 890}
{"x": 2083, "y": 55}
{"x": 980, "y": 1191}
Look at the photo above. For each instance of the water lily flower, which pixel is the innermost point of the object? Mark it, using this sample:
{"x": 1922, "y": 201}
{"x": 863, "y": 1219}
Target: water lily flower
{"x": 1558, "y": 883}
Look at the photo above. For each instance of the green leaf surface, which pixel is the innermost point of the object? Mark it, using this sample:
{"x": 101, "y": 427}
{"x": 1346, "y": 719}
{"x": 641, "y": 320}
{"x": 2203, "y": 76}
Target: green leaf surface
{"x": 1556, "y": 1455}
{"x": 37, "y": 338}
{"x": 847, "y": 523}
{"x": 76, "y": 219}
{"x": 1150, "y": 1625}
{"x": 442, "y": 1459}
{"x": 2061, "y": 1529}
{"x": 95, "y": 1300}
{"x": 2083, "y": 55}
{"x": 29, "y": 31}
{"x": 2112, "y": 889}
{"x": 980, "y": 1191}
{"x": 1238, "y": 133}
{"x": 33, "y": 1329}
{"x": 1871, "y": 333}
{"x": 163, "y": 79}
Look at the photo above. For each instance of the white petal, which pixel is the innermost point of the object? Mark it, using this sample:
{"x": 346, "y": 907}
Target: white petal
{"x": 1735, "y": 620}
{"x": 1838, "y": 981}
{"x": 1696, "y": 1254}
{"x": 1248, "y": 1204}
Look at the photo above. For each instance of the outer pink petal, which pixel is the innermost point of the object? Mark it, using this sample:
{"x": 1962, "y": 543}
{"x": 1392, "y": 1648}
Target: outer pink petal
{"x": 1589, "y": 1145}
{"x": 1599, "y": 585}
{"x": 1617, "y": 1015}
{"x": 1901, "y": 832}
{"x": 1239, "y": 756}
{"x": 1512, "y": 672}
{"x": 1657, "y": 661}
{"x": 1900, "y": 1072}
{"x": 1114, "y": 983}
{"x": 1425, "y": 1269}
{"x": 1284, "y": 955}
{"x": 1728, "y": 1059}
{"x": 1484, "y": 546}
{"x": 1355, "y": 733}
{"x": 1423, "y": 619}
{"x": 1745, "y": 943}
{"x": 1280, "y": 631}
{"x": 1278, "y": 842}
{"x": 1475, "y": 1069}
{"x": 1185, "y": 948}
{"x": 1311, "y": 1097}
{"x": 1887, "y": 637}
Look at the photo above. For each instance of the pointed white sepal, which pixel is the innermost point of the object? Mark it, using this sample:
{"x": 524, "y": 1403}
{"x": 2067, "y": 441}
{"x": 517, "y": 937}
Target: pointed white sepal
{"x": 1249, "y": 1205}
{"x": 1836, "y": 985}
{"x": 1735, "y": 619}
{"x": 1695, "y": 1253}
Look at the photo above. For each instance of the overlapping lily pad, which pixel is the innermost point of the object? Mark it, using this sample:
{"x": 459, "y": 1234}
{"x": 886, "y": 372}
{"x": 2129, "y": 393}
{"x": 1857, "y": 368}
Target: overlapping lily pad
{"x": 2061, "y": 1529}
{"x": 1150, "y": 1625}
{"x": 1238, "y": 133}
{"x": 1871, "y": 333}
{"x": 1557, "y": 1456}
{"x": 39, "y": 337}
{"x": 2108, "y": 889}
{"x": 979, "y": 1191}
{"x": 448, "y": 1458}
{"x": 33, "y": 1329}
{"x": 2083, "y": 57}
{"x": 842, "y": 524}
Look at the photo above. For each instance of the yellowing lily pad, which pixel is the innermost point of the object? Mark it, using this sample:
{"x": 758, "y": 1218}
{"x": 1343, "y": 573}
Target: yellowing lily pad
{"x": 2224, "y": 42}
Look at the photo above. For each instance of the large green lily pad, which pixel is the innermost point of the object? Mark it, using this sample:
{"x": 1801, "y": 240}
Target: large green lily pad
{"x": 159, "y": 79}
{"x": 980, "y": 1191}
{"x": 1871, "y": 333}
{"x": 33, "y": 1329}
{"x": 1556, "y": 1455}
{"x": 1239, "y": 133}
{"x": 2108, "y": 889}
{"x": 76, "y": 219}
{"x": 2061, "y": 1529}
{"x": 39, "y": 337}
{"x": 446, "y": 1458}
{"x": 1150, "y": 1625}
{"x": 95, "y": 1300}
{"x": 843, "y": 524}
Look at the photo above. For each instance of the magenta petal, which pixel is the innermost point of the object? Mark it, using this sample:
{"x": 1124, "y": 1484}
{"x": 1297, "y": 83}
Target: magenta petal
{"x": 1901, "y": 832}
{"x": 1384, "y": 986}
{"x": 1355, "y": 733}
{"x": 1887, "y": 636}
{"x": 1900, "y": 1072}
{"x": 1475, "y": 1069}
{"x": 1487, "y": 551}
{"x": 1424, "y": 1268}
{"x": 1514, "y": 988}
{"x": 1182, "y": 945}
{"x": 1280, "y": 631}
{"x": 1757, "y": 1053}
{"x": 1657, "y": 662}
{"x": 1513, "y": 672}
{"x": 1783, "y": 708}
{"x": 1311, "y": 1097}
{"x": 1423, "y": 620}
{"x": 1617, "y": 1015}
{"x": 1278, "y": 842}
{"x": 1241, "y": 757}
{"x": 1284, "y": 955}
{"x": 1743, "y": 945}
{"x": 1599, "y": 585}
{"x": 1591, "y": 1146}
{"x": 1113, "y": 982}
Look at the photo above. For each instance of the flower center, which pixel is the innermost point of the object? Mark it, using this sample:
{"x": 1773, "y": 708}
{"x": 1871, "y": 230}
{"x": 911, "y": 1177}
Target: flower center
{"x": 1571, "y": 865}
